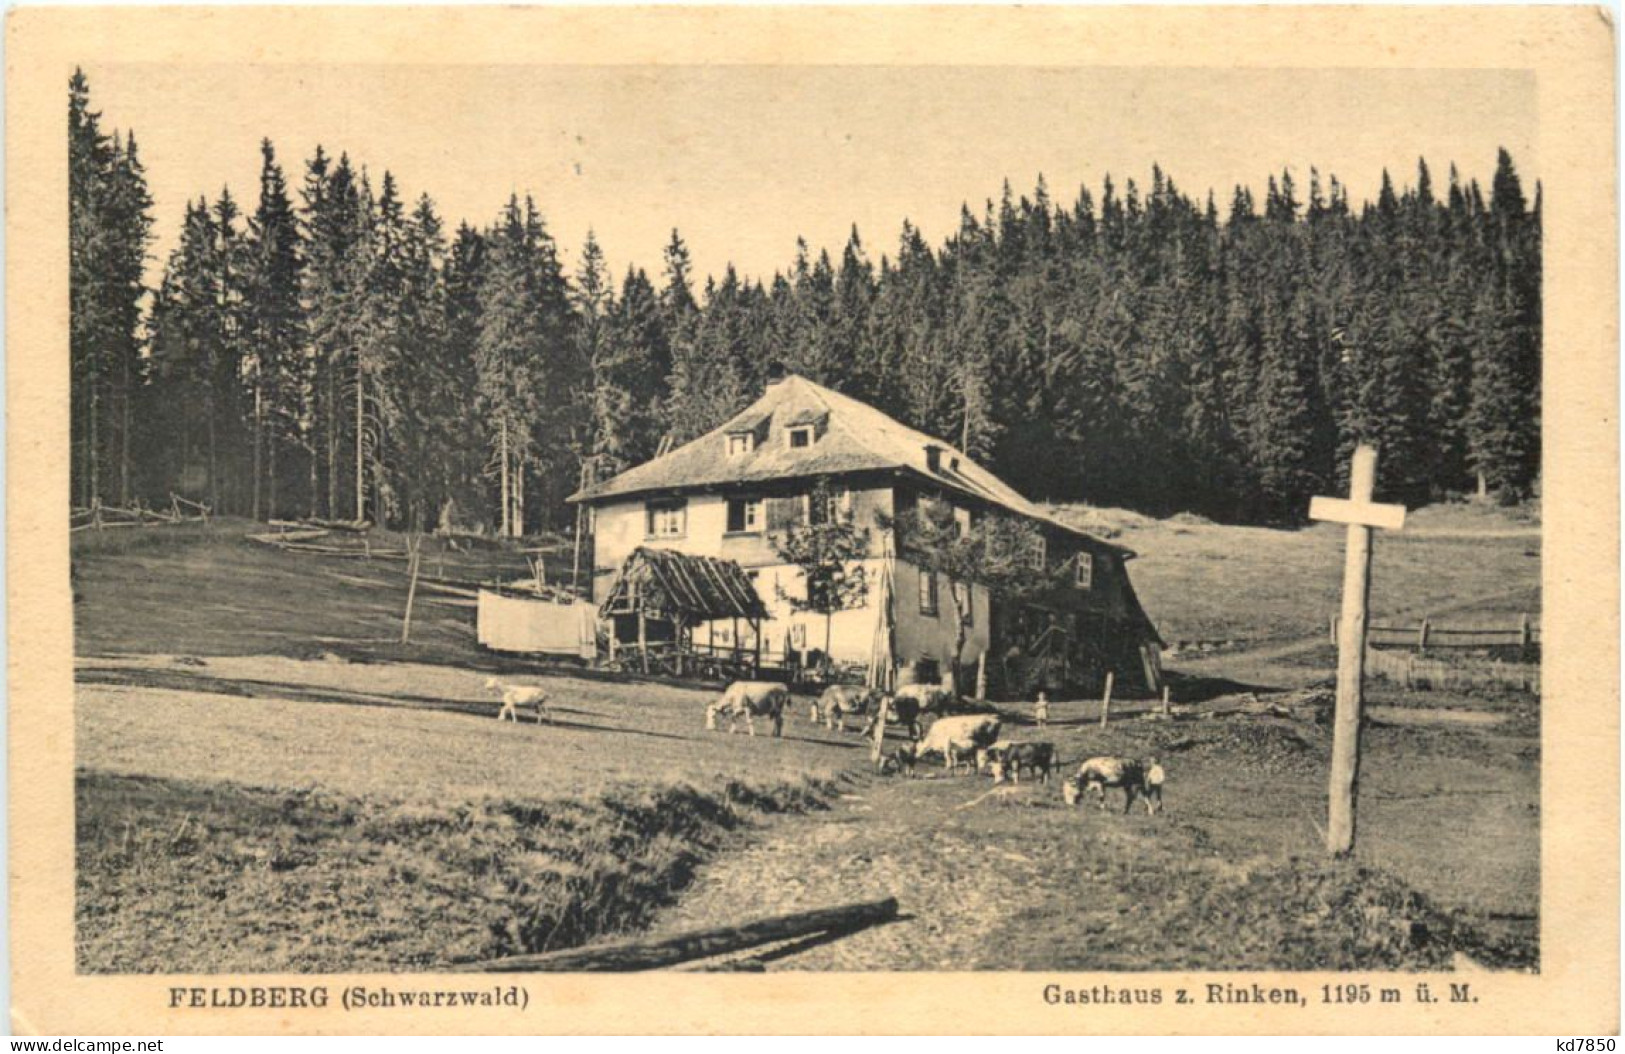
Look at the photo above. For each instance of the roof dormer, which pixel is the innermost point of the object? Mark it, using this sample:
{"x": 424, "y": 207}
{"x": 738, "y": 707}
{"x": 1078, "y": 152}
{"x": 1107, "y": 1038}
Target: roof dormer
{"x": 745, "y": 434}
{"x": 805, "y": 428}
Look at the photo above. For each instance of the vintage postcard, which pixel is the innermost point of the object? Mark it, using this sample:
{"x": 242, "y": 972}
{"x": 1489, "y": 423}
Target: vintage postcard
{"x": 692, "y": 519}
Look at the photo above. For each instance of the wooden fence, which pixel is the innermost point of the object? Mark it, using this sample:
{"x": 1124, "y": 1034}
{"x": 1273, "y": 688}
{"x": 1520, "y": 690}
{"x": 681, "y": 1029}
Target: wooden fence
{"x": 98, "y": 517}
{"x": 1427, "y": 635}
{"x": 1417, "y": 671}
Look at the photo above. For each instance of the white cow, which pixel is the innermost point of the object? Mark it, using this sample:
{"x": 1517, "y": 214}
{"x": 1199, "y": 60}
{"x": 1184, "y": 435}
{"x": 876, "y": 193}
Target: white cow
{"x": 960, "y": 737}
{"x": 517, "y": 695}
{"x": 750, "y": 700}
{"x": 841, "y": 700}
{"x": 1103, "y": 772}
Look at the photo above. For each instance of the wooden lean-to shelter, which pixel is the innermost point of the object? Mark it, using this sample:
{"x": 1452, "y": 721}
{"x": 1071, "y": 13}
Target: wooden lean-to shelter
{"x": 660, "y": 595}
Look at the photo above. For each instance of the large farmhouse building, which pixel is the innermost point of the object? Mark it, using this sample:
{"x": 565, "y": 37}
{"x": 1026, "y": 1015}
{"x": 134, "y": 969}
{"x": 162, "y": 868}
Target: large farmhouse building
{"x": 726, "y": 495}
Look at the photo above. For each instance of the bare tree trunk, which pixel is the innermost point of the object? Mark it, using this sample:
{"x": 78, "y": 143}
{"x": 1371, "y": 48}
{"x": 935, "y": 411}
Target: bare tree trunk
{"x": 315, "y": 468}
{"x": 259, "y": 435}
{"x": 517, "y": 522}
{"x": 93, "y": 451}
{"x": 124, "y": 439}
{"x": 502, "y": 458}
{"x": 360, "y": 441}
{"x": 332, "y": 442}
{"x": 829, "y": 632}
{"x": 270, "y": 478}
{"x": 214, "y": 487}
{"x": 962, "y": 602}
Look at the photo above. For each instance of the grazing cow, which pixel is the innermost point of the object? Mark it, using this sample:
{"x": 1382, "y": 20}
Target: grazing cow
{"x": 903, "y": 709}
{"x": 929, "y": 698}
{"x": 517, "y": 695}
{"x": 899, "y": 760}
{"x": 839, "y": 700}
{"x": 1154, "y": 779}
{"x": 1034, "y": 757}
{"x": 959, "y": 737}
{"x": 1104, "y": 772}
{"x": 750, "y": 700}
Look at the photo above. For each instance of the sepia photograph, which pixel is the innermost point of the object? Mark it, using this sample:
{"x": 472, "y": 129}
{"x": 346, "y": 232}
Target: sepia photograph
{"x": 1078, "y": 520}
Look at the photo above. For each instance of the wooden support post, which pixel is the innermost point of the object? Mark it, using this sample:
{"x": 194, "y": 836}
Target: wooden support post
{"x": 1333, "y": 623}
{"x": 1422, "y": 635}
{"x": 1526, "y": 635}
{"x": 756, "y": 663}
{"x": 1361, "y": 515}
{"x": 414, "y": 549}
{"x": 643, "y": 639}
{"x": 1106, "y": 700}
{"x": 1167, "y": 708}
{"x": 650, "y": 954}
{"x": 981, "y": 676}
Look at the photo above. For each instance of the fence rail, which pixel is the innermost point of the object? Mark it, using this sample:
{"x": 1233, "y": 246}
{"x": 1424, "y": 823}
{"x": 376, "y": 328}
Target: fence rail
{"x": 1427, "y": 634}
{"x": 99, "y": 517}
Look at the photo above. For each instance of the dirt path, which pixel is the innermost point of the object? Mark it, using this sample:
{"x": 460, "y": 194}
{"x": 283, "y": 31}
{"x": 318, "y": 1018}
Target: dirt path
{"x": 961, "y": 879}
{"x": 1228, "y": 877}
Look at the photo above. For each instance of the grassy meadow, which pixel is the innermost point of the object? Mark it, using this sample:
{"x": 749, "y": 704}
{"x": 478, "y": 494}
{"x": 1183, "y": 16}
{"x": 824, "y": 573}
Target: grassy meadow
{"x": 268, "y": 780}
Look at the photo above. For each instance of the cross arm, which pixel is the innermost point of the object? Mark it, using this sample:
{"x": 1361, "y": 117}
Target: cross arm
{"x": 1363, "y": 513}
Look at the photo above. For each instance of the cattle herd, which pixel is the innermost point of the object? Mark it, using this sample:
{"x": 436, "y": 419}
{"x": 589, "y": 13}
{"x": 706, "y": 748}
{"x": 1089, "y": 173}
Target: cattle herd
{"x": 967, "y": 741}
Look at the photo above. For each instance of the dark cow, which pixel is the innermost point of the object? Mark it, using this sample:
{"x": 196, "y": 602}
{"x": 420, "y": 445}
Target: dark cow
{"x": 903, "y": 709}
{"x": 1008, "y": 762}
{"x": 899, "y": 760}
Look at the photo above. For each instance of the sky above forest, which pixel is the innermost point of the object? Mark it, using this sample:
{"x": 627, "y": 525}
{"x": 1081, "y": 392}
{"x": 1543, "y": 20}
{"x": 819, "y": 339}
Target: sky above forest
{"x": 743, "y": 159}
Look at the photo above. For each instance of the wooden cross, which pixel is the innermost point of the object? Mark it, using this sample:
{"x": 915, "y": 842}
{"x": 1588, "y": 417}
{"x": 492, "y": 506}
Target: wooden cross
{"x": 1361, "y": 515}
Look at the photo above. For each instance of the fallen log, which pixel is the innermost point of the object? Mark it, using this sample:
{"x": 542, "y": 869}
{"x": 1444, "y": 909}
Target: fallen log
{"x": 647, "y": 954}
{"x": 284, "y": 537}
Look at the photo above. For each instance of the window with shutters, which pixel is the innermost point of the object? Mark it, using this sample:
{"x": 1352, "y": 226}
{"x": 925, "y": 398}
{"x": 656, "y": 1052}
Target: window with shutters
{"x": 744, "y": 515}
{"x": 1085, "y": 571}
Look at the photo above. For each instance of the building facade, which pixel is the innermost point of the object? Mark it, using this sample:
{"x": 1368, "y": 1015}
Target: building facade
{"x": 732, "y": 492}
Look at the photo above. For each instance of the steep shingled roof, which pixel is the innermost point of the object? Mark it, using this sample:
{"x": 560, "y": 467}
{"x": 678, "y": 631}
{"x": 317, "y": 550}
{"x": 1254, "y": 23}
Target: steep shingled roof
{"x": 857, "y": 438}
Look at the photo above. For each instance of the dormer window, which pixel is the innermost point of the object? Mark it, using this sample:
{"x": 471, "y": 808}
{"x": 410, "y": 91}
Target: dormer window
{"x": 741, "y": 443}
{"x": 800, "y": 436}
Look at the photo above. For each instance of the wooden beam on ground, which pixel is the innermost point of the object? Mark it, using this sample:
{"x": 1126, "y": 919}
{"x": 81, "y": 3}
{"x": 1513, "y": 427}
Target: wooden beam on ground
{"x": 653, "y": 954}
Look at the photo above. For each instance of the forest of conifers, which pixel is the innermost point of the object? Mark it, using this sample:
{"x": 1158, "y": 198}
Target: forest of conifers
{"x": 334, "y": 350}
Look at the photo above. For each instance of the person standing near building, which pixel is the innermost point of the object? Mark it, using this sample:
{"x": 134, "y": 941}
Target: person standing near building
{"x": 1041, "y": 711}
